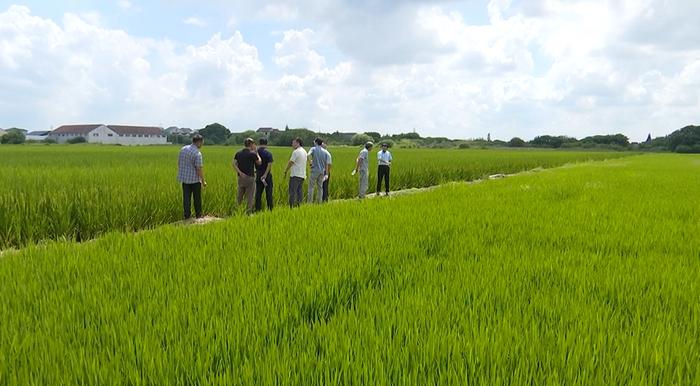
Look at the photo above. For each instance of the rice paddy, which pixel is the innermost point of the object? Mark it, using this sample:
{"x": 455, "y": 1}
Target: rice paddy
{"x": 584, "y": 274}
{"x": 81, "y": 192}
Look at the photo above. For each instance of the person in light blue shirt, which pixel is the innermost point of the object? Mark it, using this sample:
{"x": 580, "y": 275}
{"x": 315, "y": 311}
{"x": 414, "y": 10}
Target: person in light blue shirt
{"x": 384, "y": 160}
{"x": 319, "y": 160}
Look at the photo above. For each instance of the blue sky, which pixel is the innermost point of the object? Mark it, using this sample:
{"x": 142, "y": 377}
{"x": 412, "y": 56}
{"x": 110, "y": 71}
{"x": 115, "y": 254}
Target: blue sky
{"x": 460, "y": 69}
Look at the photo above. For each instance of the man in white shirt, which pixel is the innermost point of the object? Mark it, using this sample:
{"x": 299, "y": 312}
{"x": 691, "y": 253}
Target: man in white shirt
{"x": 297, "y": 165}
{"x": 384, "y": 161}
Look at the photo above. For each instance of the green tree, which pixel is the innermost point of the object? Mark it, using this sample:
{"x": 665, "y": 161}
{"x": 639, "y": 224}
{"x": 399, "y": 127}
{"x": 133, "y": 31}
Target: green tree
{"x": 390, "y": 143}
{"x": 688, "y": 136}
{"x": 284, "y": 138}
{"x": 375, "y": 136}
{"x": 551, "y": 141}
{"x": 397, "y": 137}
{"x": 179, "y": 139}
{"x": 338, "y": 138}
{"x": 13, "y": 137}
{"x": 686, "y": 149}
{"x": 360, "y": 139}
{"x": 237, "y": 139}
{"x": 659, "y": 142}
{"x": 616, "y": 139}
{"x": 516, "y": 142}
{"x": 215, "y": 133}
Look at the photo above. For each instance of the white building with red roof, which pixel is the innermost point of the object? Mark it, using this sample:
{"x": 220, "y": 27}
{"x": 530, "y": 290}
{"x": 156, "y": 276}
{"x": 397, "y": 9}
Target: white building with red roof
{"x": 111, "y": 134}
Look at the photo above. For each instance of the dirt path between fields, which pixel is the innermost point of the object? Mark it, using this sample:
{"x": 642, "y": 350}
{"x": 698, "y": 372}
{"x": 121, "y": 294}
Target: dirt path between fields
{"x": 199, "y": 221}
{"x": 408, "y": 191}
{"x": 210, "y": 219}
{"x": 397, "y": 193}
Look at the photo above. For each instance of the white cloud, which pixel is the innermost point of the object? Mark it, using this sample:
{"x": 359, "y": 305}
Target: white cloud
{"x": 382, "y": 33}
{"x": 124, "y": 4}
{"x": 79, "y": 72}
{"x": 195, "y": 21}
{"x": 279, "y": 12}
{"x": 295, "y": 55}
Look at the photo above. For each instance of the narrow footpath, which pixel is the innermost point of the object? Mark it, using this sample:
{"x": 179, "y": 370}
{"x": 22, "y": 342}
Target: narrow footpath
{"x": 211, "y": 219}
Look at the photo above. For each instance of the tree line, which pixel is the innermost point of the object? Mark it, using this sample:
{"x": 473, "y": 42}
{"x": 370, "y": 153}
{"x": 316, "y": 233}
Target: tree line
{"x": 218, "y": 134}
{"x": 684, "y": 140}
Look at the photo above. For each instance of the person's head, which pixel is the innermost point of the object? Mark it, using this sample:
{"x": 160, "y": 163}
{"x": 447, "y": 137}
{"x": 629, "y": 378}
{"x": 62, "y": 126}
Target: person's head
{"x": 297, "y": 143}
{"x": 318, "y": 141}
{"x": 262, "y": 141}
{"x": 385, "y": 146}
{"x": 197, "y": 140}
{"x": 369, "y": 145}
{"x": 324, "y": 145}
{"x": 249, "y": 142}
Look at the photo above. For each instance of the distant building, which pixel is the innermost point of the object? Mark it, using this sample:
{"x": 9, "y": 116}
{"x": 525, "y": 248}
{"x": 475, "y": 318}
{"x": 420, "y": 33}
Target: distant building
{"x": 174, "y": 130}
{"x": 267, "y": 130}
{"x": 37, "y": 135}
{"x": 111, "y": 134}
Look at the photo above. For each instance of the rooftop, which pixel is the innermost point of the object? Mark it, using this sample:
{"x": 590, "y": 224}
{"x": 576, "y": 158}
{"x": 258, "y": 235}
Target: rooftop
{"x": 76, "y": 129}
{"x": 119, "y": 129}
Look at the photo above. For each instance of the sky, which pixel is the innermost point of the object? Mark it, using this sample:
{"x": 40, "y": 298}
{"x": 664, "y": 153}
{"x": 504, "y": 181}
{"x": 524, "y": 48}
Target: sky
{"x": 460, "y": 69}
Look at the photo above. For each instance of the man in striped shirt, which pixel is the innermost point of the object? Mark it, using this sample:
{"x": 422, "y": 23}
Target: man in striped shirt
{"x": 190, "y": 174}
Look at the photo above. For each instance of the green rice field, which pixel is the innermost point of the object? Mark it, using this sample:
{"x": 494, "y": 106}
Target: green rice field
{"x": 81, "y": 192}
{"x": 586, "y": 274}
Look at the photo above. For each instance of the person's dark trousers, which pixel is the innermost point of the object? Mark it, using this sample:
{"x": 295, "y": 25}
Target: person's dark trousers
{"x": 259, "y": 188}
{"x": 383, "y": 172}
{"x": 296, "y": 191}
{"x": 325, "y": 188}
{"x": 189, "y": 191}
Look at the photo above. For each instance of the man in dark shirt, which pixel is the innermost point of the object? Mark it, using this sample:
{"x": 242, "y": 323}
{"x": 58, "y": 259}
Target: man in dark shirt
{"x": 264, "y": 177}
{"x": 244, "y": 162}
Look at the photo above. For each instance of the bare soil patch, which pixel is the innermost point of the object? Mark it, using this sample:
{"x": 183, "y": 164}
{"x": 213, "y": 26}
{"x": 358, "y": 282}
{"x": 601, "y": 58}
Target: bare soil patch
{"x": 199, "y": 221}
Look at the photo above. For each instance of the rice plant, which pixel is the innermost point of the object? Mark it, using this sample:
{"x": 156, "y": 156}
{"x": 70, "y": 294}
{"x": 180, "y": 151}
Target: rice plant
{"x": 81, "y": 192}
{"x": 588, "y": 274}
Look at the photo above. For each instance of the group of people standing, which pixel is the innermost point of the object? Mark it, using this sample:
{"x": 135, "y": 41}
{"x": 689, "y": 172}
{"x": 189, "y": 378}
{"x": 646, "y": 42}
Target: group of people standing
{"x": 253, "y": 166}
{"x": 362, "y": 166}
